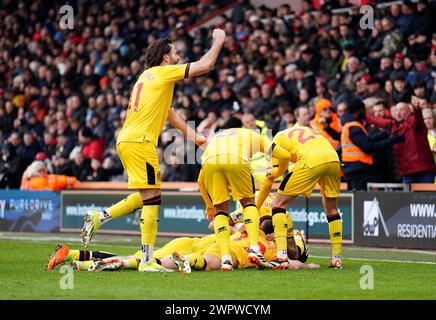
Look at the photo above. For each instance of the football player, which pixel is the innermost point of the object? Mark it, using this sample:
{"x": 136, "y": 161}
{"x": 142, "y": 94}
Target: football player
{"x": 147, "y": 112}
{"x": 316, "y": 161}
{"x": 225, "y": 167}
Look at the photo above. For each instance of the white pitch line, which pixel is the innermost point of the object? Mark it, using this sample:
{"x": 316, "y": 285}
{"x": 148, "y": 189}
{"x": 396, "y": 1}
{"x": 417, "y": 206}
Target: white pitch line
{"x": 377, "y": 260}
{"x": 64, "y": 240}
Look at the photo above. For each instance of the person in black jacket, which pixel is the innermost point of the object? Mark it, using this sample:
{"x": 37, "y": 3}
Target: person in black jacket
{"x": 10, "y": 168}
{"x": 357, "y": 146}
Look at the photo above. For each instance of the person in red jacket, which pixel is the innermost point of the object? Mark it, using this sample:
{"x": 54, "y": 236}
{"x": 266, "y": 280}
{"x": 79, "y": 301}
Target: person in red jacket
{"x": 414, "y": 157}
{"x": 92, "y": 147}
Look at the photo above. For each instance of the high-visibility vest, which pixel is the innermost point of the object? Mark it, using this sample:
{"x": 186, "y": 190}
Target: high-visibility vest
{"x": 316, "y": 125}
{"x": 351, "y": 152}
{"x": 48, "y": 182}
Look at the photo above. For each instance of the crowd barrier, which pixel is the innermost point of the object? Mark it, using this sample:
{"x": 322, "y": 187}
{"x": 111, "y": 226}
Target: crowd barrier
{"x": 384, "y": 219}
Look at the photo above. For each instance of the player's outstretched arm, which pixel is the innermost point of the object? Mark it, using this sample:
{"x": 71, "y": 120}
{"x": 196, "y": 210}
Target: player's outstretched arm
{"x": 295, "y": 265}
{"x": 180, "y": 124}
{"x": 207, "y": 62}
{"x": 282, "y": 157}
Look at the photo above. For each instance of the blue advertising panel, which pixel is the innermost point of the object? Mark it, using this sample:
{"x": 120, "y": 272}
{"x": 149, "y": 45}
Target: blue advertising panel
{"x": 29, "y": 211}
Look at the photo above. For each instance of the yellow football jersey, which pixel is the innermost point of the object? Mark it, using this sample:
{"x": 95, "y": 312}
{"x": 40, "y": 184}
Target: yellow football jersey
{"x": 306, "y": 145}
{"x": 240, "y": 143}
{"x": 150, "y": 102}
{"x": 240, "y": 244}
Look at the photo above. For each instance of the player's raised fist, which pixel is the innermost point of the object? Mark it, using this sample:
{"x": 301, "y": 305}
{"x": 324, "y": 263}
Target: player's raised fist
{"x": 218, "y": 34}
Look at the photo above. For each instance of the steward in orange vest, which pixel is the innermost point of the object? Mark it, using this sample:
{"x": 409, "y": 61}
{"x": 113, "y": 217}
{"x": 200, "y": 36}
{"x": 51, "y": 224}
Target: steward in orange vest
{"x": 357, "y": 145}
{"x": 51, "y": 182}
{"x": 327, "y": 122}
{"x": 36, "y": 177}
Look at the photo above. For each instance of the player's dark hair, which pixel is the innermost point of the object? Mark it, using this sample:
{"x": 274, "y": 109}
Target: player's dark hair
{"x": 266, "y": 225}
{"x": 293, "y": 251}
{"x": 155, "y": 52}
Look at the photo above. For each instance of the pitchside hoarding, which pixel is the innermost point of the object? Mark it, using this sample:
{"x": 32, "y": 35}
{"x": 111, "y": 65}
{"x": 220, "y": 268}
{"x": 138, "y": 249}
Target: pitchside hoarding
{"x": 318, "y": 225}
{"x": 395, "y": 219}
{"x": 29, "y": 211}
{"x": 183, "y": 213}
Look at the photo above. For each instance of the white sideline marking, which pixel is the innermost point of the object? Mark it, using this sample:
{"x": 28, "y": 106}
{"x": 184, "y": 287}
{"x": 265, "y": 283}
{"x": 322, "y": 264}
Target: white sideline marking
{"x": 105, "y": 244}
{"x": 63, "y": 240}
{"x": 377, "y": 260}
{"x": 392, "y": 250}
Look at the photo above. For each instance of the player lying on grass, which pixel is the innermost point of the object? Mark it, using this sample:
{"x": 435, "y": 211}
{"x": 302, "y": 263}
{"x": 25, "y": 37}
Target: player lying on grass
{"x": 85, "y": 258}
{"x": 181, "y": 254}
{"x": 225, "y": 167}
{"x": 236, "y": 218}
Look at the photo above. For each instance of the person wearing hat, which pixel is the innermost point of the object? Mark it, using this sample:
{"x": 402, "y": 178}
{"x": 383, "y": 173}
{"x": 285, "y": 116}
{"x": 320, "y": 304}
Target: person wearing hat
{"x": 357, "y": 146}
{"x": 398, "y": 66}
{"x": 327, "y": 122}
{"x": 374, "y": 87}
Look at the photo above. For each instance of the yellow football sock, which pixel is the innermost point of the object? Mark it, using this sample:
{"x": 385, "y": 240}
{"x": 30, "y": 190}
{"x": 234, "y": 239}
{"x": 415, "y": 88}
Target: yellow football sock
{"x": 251, "y": 222}
{"x": 290, "y": 232}
{"x": 222, "y": 232}
{"x": 131, "y": 263}
{"x": 126, "y": 206}
{"x": 335, "y": 232}
{"x": 149, "y": 224}
{"x": 74, "y": 255}
{"x": 196, "y": 261}
{"x": 179, "y": 244}
{"x": 280, "y": 223}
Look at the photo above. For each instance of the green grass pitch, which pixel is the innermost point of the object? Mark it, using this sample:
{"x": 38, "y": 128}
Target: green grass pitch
{"x": 402, "y": 275}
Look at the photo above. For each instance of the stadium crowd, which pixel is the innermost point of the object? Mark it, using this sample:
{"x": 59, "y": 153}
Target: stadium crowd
{"x": 64, "y": 93}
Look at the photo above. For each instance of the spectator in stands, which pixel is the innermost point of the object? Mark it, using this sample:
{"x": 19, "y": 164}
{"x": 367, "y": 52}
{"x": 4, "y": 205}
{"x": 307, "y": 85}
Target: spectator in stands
{"x": 30, "y": 149}
{"x": 92, "y": 147}
{"x": 302, "y": 117}
{"x": 97, "y": 172}
{"x": 89, "y": 77}
{"x": 49, "y": 144}
{"x": 327, "y": 122}
{"x": 80, "y": 166}
{"x": 414, "y": 157}
{"x": 402, "y": 91}
{"x": 250, "y": 122}
{"x": 384, "y": 168}
{"x": 407, "y": 18}
{"x": 424, "y": 23}
{"x": 357, "y": 146}
{"x": 333, "y": 63}
{"x": 353, "y": 74}
{"x": 341, "y": 109}
{"x": 10, "y": 168}
{"x": 338, "y": 93}
{"x": 392, "y": 39}
{"x": 243, "y": 79}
